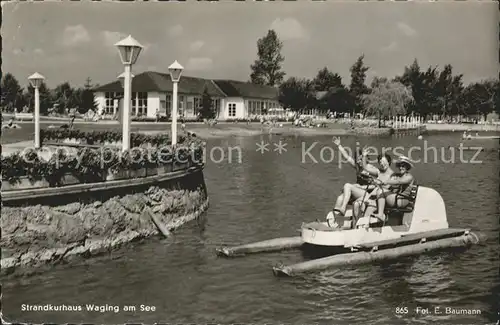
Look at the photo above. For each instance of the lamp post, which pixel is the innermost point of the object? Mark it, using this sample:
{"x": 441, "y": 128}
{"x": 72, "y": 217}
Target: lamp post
{"x": 129, "y": 50}
{"x": 121, "y": 78}
{"x": 175, "y": 70}
{"x": 36, "y": 80}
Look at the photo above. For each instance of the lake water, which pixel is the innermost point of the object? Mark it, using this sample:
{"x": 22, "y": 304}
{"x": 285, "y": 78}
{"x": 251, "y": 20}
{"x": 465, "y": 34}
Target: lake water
{"x": 269, "y": 195}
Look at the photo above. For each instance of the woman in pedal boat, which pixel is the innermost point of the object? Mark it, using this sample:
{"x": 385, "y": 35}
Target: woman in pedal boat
{"x": 362, "y": 180}
{"x": 356, "y": 191}
{"x": 393, "y": 192}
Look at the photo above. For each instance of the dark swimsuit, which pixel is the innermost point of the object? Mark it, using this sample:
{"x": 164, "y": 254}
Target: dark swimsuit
{"x": 361, "y": 178}
{"x": 404, "y": 190}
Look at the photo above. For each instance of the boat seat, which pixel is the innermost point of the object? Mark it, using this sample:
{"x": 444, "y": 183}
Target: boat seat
{"x": 411, "y": 204}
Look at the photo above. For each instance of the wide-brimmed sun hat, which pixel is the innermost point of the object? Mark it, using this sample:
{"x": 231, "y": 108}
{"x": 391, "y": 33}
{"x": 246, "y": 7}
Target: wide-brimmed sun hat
{"x": 404, "y": 160}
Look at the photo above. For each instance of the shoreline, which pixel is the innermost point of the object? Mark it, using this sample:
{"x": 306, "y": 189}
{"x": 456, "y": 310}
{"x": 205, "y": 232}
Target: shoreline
{"x": 17, "y": 139}
{"x": 462, "y": 127}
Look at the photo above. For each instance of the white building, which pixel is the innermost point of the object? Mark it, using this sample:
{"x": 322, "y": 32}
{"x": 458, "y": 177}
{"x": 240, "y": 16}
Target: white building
{"x": 152, "y": 92}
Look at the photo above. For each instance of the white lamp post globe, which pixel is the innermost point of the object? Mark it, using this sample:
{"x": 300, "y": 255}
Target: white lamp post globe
{"x": 36, "y": 80}
{"x": 175, "y": 70}
{"x": 129, "y": 50}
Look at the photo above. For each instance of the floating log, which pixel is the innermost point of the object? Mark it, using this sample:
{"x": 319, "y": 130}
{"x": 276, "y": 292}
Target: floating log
{"x": 376, "y": 255}
{"x": 272, "y": 245}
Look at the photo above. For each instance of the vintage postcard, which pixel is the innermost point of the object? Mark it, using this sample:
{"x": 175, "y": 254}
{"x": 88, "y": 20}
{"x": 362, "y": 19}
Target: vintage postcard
{"x": 291, "y": 162}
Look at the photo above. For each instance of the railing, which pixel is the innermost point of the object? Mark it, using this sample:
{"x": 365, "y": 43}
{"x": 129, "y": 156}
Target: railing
{"x": 139, "y": 179}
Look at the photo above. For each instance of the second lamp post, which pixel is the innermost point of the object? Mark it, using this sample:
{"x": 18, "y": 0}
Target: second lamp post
{"x": 129, "y": 50}
{"x": 175, "y": 70}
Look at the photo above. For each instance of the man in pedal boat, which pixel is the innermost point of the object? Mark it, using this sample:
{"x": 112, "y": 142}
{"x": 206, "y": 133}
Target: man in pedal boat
{"x": 357, "y": 191}
{"x": 394, "y": 191}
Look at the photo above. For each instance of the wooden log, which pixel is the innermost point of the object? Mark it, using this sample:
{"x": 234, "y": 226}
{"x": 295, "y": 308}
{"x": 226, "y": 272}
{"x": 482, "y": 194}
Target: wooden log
{"x": 161, "y": 228}
{"x": 272, "y": 245}
{"x": 366, "y": 257}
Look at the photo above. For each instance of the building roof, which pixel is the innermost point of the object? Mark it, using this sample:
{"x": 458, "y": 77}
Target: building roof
{"x": 234, "y": 88}
{"x": 151, "y": 81}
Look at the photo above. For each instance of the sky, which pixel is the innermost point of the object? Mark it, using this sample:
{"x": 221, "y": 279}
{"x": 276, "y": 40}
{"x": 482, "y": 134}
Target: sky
{"x": 70, "y": 41}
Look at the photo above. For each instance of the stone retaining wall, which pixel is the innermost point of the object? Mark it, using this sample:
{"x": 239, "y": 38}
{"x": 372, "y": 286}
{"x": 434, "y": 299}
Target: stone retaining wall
{"x": 49, "y": 233}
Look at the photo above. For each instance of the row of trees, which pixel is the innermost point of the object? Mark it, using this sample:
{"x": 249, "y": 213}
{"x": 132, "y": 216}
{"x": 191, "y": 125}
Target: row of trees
{"x": 416, "y": 91}
{"x": 60, "y": 100}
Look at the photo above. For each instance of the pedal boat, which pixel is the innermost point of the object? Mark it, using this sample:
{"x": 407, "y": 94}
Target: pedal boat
{"x": 419, "y": 227}
{"x": 425, "y": 212}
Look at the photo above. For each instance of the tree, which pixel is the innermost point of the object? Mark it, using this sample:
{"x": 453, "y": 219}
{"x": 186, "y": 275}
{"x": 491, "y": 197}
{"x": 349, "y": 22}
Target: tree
{"x": 337, "y": 99}
{"x": 266, "y": 70}
{"x": 65, "y": 97}
{"x": 423, "y": 88}
{"x": 86, "y": 98}
{"x": 377, "y": 81}
{"x": 207, "y": 111}
{"x": 429, "y": 103}
{"x": 413, "y": 78}
{"x": 46, "y": 100}
{"x": 11, "y": 95}
{"x": 297, "y": 94}
{"x": 496, "y": 97}
{"x": 448, "y": 89}
{"x": 387, "y": 99}
{"x": 358, "y": 87}
{"x": 480, "y": 98}
{"x": 325, "y": 80}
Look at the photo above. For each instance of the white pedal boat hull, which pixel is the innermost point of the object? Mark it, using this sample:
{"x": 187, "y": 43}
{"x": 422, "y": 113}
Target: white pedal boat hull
{"x": 429, "y": 214}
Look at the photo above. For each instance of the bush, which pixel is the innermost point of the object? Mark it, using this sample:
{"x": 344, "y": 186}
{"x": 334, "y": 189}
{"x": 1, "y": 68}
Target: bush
{"x": 101, "y": 137}
{"x": 93, "y": 164}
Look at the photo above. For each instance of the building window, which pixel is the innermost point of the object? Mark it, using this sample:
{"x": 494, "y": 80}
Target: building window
{"x": 232, "y": 110}
{"x": 253, "y": 107}
{"x": 215, "y": 104}
{"x": 196, "y": 105}
{"x": 180, "y": 105}
{"x": 139, "y": 103}
{"x": 168, "y": 105}
{"x": 134, "y": 104}
{"x": 109, "y": 106}
{"x": 142, "y": 103}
